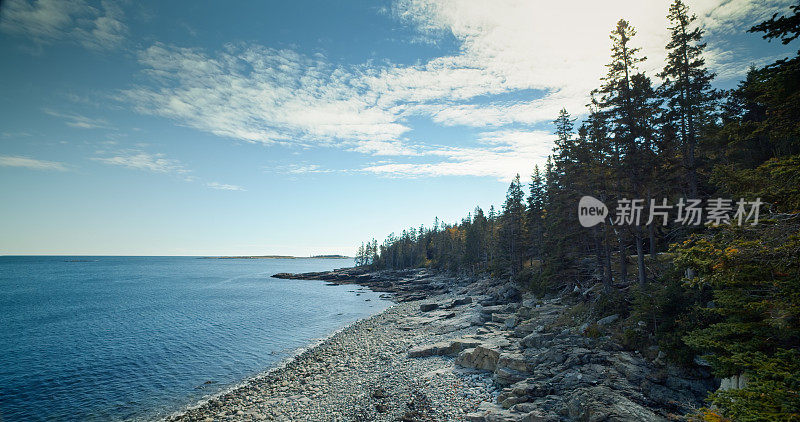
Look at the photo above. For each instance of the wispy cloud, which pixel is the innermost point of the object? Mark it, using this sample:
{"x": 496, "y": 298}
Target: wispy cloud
{"x": 30, "y": 163}
{"x": 140, "y": 160}
{"x": 306, "y": 168}
{"x": 224, "y": 186}
{"x": 296, "y": 169}
{"x": 505, "y": 154}
{"x": 507, "y": 48}
{"x": 265, "y": 95}
{"x": 78, "y": 121}
{"x": 157, "y": 163}
{"x": 49, "y": 21}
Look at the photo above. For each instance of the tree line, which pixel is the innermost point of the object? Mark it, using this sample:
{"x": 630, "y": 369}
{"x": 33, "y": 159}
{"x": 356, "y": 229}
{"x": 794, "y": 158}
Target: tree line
{"x": 728, "y": 292}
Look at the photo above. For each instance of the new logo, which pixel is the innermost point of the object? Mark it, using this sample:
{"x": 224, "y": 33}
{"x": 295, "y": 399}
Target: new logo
{"x": 591, "y": 211}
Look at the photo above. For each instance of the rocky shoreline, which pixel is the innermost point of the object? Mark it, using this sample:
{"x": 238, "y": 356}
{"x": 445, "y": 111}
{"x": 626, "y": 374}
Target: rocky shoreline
{"x": 461, "y": 349}
{"x": 404, "y": 285}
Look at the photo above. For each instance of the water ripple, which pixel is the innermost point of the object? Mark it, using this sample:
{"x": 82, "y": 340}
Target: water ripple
{"x": 119, "y": 338}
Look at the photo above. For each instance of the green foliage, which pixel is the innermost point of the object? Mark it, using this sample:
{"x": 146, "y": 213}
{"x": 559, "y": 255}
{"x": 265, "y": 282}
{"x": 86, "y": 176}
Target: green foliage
{"x": 512, "y": 235}
{"x": 593, "y": 331}
{"x": 739, "y": 304}
{"x": 633, "y": 339}
{"x": 687, "y": 89}
{"x": 787, "y": 28}
{"x": 669, "y": 311}
{"x": 754, "y": 275}
{"x": 777, "y": 181}
{"x": 609, "y": 303}
{"x": 772, "y": 392}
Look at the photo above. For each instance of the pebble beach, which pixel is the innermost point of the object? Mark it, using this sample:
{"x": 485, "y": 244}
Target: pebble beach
{"x": 464, "y": 350}
{"x": 362, "y": 372}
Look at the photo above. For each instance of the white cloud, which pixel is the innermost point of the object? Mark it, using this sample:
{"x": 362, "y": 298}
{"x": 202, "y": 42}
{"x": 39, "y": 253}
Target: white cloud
{"x": 729, "y": 17}
{"x": 223, "y": 186}
{"x": 48, "y": 21}
{"x": 506, "y": 153}
{"x": 509, "y": 45}
{"x": 299, "y": 168}
{"x": 265, "y": 95}
{"x": 278, "y": 96}
{"x": 555, "y": 47}
{"x": 30, "y": 163}
{"x": 79, "y": 121}
{"x": 733, "y": 69}
{"x": 140, "y": 160}
{"x": 308, "y": 168}
{"x": 106, "y": 30}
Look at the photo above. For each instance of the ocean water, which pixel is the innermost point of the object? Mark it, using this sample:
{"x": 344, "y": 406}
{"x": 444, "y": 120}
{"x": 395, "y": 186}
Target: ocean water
{"x": 119, "y": 338}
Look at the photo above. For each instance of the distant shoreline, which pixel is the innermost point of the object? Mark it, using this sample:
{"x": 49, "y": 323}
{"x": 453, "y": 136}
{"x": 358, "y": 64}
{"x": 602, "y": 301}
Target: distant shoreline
{"x": 279, "y": 257}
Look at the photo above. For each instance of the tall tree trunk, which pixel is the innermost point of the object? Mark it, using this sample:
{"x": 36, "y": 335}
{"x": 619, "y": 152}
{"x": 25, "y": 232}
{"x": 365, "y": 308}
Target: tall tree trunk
{"x": 598, "y": 249}
{"x": 623, "y": 260}
{"x": 607, "y": 275}
{"x": 652, "y": 231}
{"x": 689, "y": 134}
{"x": 640, "y": 257}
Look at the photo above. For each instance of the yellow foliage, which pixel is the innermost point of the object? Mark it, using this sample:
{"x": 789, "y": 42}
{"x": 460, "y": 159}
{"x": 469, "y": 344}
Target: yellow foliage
{"x": 708, "y": 415}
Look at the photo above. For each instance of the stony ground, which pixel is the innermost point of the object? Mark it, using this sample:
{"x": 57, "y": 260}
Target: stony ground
{"x": 364, "y": 373}
{"x": 482, "y": 352}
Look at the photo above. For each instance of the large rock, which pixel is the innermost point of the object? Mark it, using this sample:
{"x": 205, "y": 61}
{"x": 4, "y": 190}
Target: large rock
{"x": 511, "y": 321}
{"x": 526, "y": 327}
{"x": 484, "y": 357}
{"x": 537, "y": 340}
{"x": 511, "y": 368}
{"x": 601, "y": 403}
{"x": 427, "y": 307}
{"x": 510, "y": 294}
{"x": 734, "y": 382}
{"x": 501, "y": 309}
{"x": 500, "y": 317}
{"x": 607, "y": 320}
{"x": 490, "y": 412}
{"x": 443, "y": 348}
{"x": 632, "y": 368}
{"x": 513, "y": 361}
{"x": 461, "y": 301}
{"x": 508, "y": 376}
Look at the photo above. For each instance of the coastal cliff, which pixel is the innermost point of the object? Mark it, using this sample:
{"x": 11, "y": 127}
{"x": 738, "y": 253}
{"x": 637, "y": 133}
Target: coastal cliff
{"x": 464, "y": 349}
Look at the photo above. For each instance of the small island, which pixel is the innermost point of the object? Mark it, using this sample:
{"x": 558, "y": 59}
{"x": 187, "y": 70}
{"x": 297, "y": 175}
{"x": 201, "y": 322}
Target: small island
{"x": 279, "y": 257}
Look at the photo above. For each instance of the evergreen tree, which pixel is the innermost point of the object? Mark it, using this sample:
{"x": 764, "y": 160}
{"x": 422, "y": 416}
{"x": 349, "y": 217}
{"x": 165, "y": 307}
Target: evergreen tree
{"x": 360, "y": 254}
{"x": 600, "y": 175}
{"x": 633, "y": 144}
{"x": 512, "y": 235}
{"x": 687, "y": 87}
{"x": 787, "y": 28}
{"x": 533, "y": 218}
{"x": 615, "y": 101}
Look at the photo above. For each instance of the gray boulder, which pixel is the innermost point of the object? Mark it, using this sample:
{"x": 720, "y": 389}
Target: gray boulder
{"x": 607, "y": 320}
{"x": 427, "y": 307}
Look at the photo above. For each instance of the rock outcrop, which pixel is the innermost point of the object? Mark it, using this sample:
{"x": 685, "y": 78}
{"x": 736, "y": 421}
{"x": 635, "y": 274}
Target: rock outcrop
{"x": 550, "y": 373}
{"x": 404, "y": 285}
{"x": 543, "y": 368}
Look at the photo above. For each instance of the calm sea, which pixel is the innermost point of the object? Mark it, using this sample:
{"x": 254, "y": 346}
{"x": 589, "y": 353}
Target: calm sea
{"x": 114, "y": 338}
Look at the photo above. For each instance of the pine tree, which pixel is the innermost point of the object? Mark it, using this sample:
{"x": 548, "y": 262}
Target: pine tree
{"x": 645, "y": 159}
{"x": 600, "y": 175}
{"x": 787, "y": 28}
{"x": 359, "y": 259}
{"x": 616, "y": 103}
{"x": 533, "y": 218}
{"x": 687, "y": 87}
{"x": 512, "y": 236}
{"x": 373, "y": 256}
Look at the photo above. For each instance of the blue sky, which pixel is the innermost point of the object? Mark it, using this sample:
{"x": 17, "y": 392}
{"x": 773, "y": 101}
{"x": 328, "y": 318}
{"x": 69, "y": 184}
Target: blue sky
{"x": 302, "y": 127}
